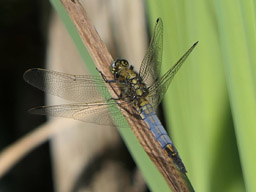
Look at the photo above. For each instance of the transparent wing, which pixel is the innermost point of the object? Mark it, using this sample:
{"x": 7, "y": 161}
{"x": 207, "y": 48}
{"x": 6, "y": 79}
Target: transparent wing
{"x": 158, "y": 89}
{"x": 80, "y": 88}
{"x": 151, "y": 64}
{"x": 97, "y": 113}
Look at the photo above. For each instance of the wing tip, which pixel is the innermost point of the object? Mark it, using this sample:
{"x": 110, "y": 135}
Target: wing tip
{"x": 195, "y": 43}
{"x": 28, "y": 73}
{"x": 159, "y": 20}
{"x": 192, "y": 47}
{"x": 35, "y": 110}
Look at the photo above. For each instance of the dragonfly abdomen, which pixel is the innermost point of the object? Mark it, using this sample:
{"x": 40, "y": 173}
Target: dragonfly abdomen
{"x": 149, "y": 116}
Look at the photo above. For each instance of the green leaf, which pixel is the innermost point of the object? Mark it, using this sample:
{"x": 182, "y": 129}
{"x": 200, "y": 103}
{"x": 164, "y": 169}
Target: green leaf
{"x": 210, "y": 107}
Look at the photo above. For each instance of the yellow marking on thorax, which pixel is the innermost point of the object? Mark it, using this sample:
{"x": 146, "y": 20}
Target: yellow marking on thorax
{"x": 128, "y": 74}
{"x": 143, "y": 102}
{"x": 139, "y": 92}
{"x": 135, "y": 81}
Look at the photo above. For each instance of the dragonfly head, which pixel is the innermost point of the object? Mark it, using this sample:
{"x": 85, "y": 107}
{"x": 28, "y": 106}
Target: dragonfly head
{"x": 118, "y": 64}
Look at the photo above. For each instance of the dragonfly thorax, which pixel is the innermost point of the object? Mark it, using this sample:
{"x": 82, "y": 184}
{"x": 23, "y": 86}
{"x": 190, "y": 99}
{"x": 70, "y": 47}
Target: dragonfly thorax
{"x": 132, "y": 87}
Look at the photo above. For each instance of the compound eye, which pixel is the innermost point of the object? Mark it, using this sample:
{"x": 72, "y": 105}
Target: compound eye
{"x": 125, "y": 63}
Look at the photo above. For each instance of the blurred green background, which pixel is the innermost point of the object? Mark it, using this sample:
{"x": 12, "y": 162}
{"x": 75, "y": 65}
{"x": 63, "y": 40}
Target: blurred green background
{"x": 211, "y": 105}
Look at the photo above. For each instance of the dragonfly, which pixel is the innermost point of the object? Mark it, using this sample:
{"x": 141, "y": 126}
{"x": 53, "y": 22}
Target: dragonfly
{"x": 143, "y": 90}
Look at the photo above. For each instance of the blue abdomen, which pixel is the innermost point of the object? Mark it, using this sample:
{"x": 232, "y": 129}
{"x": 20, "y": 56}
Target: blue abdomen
{"x": 148, "y": 114}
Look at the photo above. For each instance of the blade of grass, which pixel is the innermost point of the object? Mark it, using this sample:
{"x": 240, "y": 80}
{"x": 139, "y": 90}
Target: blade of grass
{"x": 197, "y": 106}
{"x": 237, "y": 34}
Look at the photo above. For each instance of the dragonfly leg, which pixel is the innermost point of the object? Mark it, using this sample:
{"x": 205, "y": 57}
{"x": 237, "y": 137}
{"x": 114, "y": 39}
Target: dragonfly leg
{"x": 119, "y": 97}
{"x": 137, "y": 116}
{"x": 115, "y": 99}
{"x": 109, "y": 82}
{"x": 105, "y": 78}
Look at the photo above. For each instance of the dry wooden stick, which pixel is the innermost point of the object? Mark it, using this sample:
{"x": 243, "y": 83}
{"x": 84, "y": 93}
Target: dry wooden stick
{"x": 102, "y": 60}
{"x": 13, "y": 153}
